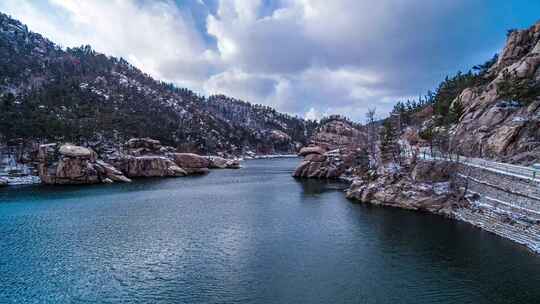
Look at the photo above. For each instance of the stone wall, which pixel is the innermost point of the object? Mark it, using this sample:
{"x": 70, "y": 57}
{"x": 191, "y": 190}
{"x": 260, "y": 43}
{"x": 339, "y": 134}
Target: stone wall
{"x": 507, "y": 205}
{"x": 518, "y": 192}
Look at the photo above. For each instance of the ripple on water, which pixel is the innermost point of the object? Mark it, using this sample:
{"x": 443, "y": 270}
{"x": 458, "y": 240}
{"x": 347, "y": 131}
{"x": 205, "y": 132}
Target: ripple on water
{"x": 253, "y": 235}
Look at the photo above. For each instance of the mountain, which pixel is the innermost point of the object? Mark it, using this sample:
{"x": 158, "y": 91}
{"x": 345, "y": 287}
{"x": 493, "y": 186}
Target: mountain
{"x": 492, "y": 111}
{"x": 501, "y": 118}
{"x": 81, "y": 96}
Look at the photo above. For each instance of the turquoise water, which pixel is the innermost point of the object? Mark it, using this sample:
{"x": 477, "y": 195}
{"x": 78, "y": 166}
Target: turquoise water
{"x": 254, "y": 235}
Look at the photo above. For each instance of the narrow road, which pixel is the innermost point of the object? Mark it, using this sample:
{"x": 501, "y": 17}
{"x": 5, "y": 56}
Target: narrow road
{"x": 509, "y": 169}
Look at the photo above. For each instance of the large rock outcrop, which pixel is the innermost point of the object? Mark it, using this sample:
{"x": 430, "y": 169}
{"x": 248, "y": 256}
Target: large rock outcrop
{"x": 426, "y": 188}
{"x": 192, "y": 163}
{"x": 148, "y": 166}
{"x": 146, "y": 157}
{"x": 494, "y": 126}
{"x": 334, "y": 148}
{"x": 328, "y": 165}
{"x": 70, "y": 164}
{"x": 139, "y": 157}
{"x": 337, "y": 133}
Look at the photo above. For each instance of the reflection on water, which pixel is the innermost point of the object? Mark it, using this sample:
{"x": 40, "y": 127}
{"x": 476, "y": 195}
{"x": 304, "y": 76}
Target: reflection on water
{"x": 319, "y": 186}
{"x": 254, "y": 235}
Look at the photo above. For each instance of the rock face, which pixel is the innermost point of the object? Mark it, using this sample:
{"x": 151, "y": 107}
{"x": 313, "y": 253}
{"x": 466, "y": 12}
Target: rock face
{"x": 146, "y": 157}
{"x": 70, "y": 164}
{"x": 149, "y": 166}
{"x": 423, "y": 190}
{"x": 432, "y": 171}
{"x": 313, "y": 150}
{"x": 333, "y": 150}
{"x": 140, "y": 157}
{"x": 338, "y": 133}
{"x": 329, "y": 165}
{"x": 494, "y": 126}
{"x": 192, "y": 163}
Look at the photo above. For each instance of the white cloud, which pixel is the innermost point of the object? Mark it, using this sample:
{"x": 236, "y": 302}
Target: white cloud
{"x": 306, "y": 57}
{"x": 154, "y": 35}
{"x": 237, "y": 83}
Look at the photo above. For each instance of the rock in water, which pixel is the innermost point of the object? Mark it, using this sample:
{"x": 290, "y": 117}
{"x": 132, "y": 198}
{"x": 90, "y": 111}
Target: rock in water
{"x": 233, "y": 164}
{"x": 311, "y": 150}
{"x": 148, "y": 166}
{"x": 70, "y": 164}
{"x": 333, "y": 149}
{"x": 217, "y": 162}
{"x": 330, "y": 165}
{"x": 192, "y": 163}
{"x": 146, "y": 157}
{"x": 3, "y": 182}
{"x": 399, "y": 189}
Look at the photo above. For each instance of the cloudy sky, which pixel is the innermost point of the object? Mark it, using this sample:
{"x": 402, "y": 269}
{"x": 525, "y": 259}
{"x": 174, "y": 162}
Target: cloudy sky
{"x": 305, "y": 57}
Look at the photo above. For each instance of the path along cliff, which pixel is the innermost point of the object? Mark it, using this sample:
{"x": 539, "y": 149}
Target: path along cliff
{"x": 499, "y": 198}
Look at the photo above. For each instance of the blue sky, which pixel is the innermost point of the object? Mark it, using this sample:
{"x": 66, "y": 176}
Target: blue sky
{"x": 305, "y": 57}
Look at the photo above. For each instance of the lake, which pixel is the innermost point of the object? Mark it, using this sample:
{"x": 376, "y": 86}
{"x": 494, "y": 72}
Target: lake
{"x": 254, "y": 235}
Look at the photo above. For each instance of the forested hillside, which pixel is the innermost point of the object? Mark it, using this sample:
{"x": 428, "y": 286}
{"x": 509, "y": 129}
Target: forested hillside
{"x": 78, "y": 95}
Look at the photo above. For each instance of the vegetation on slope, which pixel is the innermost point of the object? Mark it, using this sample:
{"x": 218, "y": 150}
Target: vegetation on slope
{"x": 79, "y": 95}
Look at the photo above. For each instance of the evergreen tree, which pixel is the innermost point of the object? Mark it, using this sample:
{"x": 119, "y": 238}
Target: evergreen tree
{"x": 389, "y": 141}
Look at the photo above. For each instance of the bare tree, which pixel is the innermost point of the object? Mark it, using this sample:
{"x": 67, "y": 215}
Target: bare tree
{"x": 372, "y": 134}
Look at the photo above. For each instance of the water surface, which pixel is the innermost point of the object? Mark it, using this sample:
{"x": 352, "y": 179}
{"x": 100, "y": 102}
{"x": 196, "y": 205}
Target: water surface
{"x": 254, "y": 235}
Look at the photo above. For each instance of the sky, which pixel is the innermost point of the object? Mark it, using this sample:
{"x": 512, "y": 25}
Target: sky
{"x": 304, "y": 57}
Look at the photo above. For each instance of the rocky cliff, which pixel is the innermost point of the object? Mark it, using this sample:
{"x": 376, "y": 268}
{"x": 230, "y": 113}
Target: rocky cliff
{"x": 501, "y": 118}
{"x": 422, "y": 185}
{"x": 336, "y": 147}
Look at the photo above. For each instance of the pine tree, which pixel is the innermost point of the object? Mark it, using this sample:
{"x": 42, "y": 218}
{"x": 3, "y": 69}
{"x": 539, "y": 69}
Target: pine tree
{"x": 389, "y": 141}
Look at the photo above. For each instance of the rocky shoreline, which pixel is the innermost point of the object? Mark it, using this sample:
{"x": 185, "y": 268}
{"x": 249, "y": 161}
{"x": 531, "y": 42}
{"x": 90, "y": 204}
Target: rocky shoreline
{"x": 427, "y": 186}
{"x": 65, "y": 163}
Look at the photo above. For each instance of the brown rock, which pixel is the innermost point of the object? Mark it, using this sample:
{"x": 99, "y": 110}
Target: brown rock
{"x": 432, "y": 171}
{"x": 216, "y": 162}
{"x": 338, "y": 134}
{"x": 72, "y": 164}
{"x": 329, "y": 165}
{"x": 192, "y": 163}
{"x": 149, "y": 166}
{"x": 401, "y": 193}
{"x": 315, "y": 158}
{"x": 78, "y": 152}
{"x": 299, "y": 172}
{"x": 311, "y": 150}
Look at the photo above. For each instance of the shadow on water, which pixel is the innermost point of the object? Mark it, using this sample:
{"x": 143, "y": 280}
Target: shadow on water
{"x": 28, "y": 193}
{"x": 319, "y": 186}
